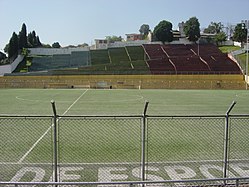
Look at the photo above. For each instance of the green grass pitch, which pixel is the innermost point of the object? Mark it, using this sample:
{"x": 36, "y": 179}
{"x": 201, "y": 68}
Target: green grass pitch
{"x": 99, "y": 143}
{"x": 122, "y": 102}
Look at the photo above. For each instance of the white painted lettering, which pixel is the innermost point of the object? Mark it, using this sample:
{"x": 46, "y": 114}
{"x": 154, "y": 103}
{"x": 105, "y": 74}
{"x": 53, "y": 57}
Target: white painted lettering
{"x": 205, "y": 171}
{"x": 136, "y": 172}
{"x": 39, "y": 174}
{"x": 179, "y": 173}
{"x": 241, "y": 168}
{"x": 65, "y": 177}
{"x": 106, "y": 175}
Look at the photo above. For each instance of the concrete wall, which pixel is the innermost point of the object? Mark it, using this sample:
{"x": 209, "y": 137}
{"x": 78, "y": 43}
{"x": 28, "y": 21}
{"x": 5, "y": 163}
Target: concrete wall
{"x": 52, "y": 51}
{"x": 139, "y": 43}
{"x": 228, "y": 42}
{"x": 128, "y": 43}
{"x": 237, "y": 44}
{"x": 9, "y": 68}
{"x": 126, "y": 81}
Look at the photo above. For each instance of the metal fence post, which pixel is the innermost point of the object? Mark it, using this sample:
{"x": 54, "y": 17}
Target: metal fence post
{"x": 55, "y": 142}
{"x": 144, "y": 141}
{"x": 226, "y": 140}
{"x": 237, "y": 183}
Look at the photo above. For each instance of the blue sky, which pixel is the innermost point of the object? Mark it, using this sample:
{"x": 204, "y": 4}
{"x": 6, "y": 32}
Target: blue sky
{"x": 81, "y": 21}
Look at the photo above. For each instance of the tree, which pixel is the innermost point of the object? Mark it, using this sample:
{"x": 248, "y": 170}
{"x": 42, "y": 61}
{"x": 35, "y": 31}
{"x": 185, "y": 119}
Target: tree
{"x": 33, "y": 40}
{"x": 192, "y": 29}
{"x": 13, "y": 45}
{"x": 163, "y": 31}
{"x": 56, "y": 45}
{"x": 38, "y": 41}
{"x": 6, "y": 48}
{"x": 2, "y": 56}
{"x": 22, "y": 38}
{"x": 214, "y": 28}
{"x": 144, "y": 30}
{"x": 46, "y": 46}
{"x": 83, "y": 45}
{"x": 21, "y": 41}
{"x": 240, "y": 33}
{"x": 30, "y": 40}
{"x": 220, "y": 37}
{"x": 113, "y": 39}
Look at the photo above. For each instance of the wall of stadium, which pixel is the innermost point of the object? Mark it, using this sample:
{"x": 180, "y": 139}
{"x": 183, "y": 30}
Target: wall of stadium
{"x": 9, "y": 68}
{"x": 53, "y": 51}
{"x": 138, "y": 43}
{"x": 126, "y": 81}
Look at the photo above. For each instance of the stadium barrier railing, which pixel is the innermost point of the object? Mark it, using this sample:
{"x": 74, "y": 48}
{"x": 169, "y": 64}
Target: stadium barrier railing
{"x": 130, "y": 150}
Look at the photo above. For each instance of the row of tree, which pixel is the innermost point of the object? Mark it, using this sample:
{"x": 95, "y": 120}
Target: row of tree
{"x": 163, "y": 31}
{"x": 239, "y": 32}
{"x": 22, "y": 40}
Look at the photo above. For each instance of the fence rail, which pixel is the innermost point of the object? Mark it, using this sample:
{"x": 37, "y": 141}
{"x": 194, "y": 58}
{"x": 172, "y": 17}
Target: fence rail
{"x": 128, "y": 150}
{"x": 198, "y": 182}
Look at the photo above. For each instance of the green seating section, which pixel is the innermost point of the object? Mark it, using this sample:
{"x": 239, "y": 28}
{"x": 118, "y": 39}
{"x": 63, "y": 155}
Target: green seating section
{"x": 41, "y": 63}
{"x": 99, "y": 56}
{"x": 140, "y": 65}
{"x": 118, "y": 55}
{"x": 135, "y": 52}
{"x": 79, "y": 58}
{"x": 117, "y": 61}
{"x": 60, "y": 61}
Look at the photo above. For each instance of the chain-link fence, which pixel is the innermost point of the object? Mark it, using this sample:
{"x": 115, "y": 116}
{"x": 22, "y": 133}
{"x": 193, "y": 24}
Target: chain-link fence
{"x": 187, "y": 144}
{"x": 99, "y": 146}
{"x": 26, "y": 148}
{"x": 123, "y": 148}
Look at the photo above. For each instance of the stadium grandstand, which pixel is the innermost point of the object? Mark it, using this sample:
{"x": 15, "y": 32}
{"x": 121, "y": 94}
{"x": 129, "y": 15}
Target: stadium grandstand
{"x": 144, "y": 60}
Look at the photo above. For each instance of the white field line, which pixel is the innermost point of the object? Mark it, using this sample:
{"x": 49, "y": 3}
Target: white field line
{"x": 127, "y": 163}
{"x": 33, "y": 146}
{"x": 44, "y": 134}
{"x": 74, "y": 102}
{"x": 135, "y": 98}
{"x": 36, "y": 100}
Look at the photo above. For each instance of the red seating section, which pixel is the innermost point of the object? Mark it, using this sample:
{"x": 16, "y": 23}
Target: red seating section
{"x": 190, "y": 64}
{"x": 184, "y": 59}
{"x": 217, "y": 61}
{"x": 158, "y": 61}
{"x": 177, "y": 50}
